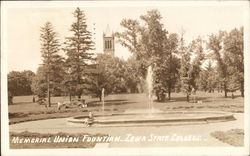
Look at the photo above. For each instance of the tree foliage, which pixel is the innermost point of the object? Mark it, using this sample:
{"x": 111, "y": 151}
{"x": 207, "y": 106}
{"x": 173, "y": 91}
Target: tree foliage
{"x": 175, "y": 65}
{"x": 130, "y": 37}
{"x": 39, "y": 85}
{"x": 227, "y": 48}
{"x": 208, "y": 78}
{"x": 50, "y": 74}
{"x": 79, "y": 57}
{"x": 110, "y": 75}
{"x": 215, "y": 44}
{"x": 19, "y": 83}
{"x": 191, "y": 61}
{"x": 234, "y": 58}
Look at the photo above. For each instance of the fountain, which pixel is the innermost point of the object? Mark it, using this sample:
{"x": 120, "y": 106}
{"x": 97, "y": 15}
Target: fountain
{"x": 103, "y": 101}
{"x": 149, "y": 116}
{"x": 149, "y": 80}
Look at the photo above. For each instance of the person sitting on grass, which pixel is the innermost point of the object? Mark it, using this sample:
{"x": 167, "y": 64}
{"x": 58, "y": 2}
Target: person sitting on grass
{"x": 90, "y": 115}
{"x": 62, "y": 104}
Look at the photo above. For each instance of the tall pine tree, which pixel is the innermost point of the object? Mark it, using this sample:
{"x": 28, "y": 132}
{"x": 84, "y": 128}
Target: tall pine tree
{"x": 52, "y": 62}
{"x": 185, "y": 75}
{"x": 78, "y": 53}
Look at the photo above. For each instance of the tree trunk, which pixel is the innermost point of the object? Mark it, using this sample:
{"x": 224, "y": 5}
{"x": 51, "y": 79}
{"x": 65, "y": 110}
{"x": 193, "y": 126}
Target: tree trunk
{"x": 170, "y": 72}
{"x": 242, "y": 88}
{"x": 100, "y": 97}
{"x": 187, "y": 97}
{"x": 48, "y": 81}
{"x": 158, "y": 96}
{"x": 169, "y": 94}
{"x": 162, "y": 97}
{"x": 10, "y": 98}
{"x": 70, "y": 96}
{"x": 225, "y": 89}
{"x": 49, "y": 103}
{"x": 232, "y": 95}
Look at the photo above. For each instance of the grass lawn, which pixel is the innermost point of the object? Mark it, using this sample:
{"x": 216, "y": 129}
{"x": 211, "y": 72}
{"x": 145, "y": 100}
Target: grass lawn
{"x": 28, "y": 140}
{"x": 233, "y": 137}
{"x": 24, "y": 109}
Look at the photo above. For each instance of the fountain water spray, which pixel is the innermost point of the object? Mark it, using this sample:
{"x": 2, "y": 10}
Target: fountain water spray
{"x": 103, "y": 101}
{"x": 152, "y": 117}
{"x": 149, "y": 80}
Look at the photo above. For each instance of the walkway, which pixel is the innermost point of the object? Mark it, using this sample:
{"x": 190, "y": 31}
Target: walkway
{"x": 200, "y": 133}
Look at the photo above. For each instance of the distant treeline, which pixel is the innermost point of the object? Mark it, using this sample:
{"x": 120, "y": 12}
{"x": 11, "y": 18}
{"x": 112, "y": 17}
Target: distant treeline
{"x": 214, "y": 63}
{"x": 19, "y": 83}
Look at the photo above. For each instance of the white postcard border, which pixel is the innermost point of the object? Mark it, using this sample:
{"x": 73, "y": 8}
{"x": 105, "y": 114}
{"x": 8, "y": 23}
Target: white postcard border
{"x": 119, "y": 151}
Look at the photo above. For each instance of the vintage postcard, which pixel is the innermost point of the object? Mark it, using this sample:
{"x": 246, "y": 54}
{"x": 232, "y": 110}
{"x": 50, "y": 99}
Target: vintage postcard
{"x": 125, "y": 78}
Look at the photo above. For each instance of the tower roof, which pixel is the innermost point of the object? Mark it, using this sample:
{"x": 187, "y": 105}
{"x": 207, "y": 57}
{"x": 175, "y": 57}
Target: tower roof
{"x": 107, "y": 32}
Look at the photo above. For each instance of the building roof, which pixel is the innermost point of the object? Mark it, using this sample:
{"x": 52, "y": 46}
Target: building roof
{"x": 108, "y": 33}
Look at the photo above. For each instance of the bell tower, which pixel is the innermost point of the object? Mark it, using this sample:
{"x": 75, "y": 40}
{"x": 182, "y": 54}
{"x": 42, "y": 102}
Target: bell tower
{"x": 109, "y": 42}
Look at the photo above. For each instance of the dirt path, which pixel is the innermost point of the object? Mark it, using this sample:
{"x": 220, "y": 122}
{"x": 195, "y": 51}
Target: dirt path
{"x": 200, "y": 133}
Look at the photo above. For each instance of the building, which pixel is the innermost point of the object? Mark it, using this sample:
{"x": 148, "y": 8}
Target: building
{"x": 109, "y": 42}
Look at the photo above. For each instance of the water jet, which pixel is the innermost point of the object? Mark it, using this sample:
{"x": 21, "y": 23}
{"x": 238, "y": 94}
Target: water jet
{"x": 150, "y": 116}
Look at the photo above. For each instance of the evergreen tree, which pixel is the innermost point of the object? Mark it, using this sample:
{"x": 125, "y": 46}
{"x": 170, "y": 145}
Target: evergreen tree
{"x": 185, "y": 67}
{"x": 185, "y": 74}
{"x": 51, "y": 69}
{"x": 79, "y": 57}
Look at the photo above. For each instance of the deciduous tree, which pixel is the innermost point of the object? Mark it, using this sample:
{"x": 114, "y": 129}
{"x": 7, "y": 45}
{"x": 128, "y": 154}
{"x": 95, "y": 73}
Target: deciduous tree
{"x": 110, "y": 75}
{"x": 215, "y": 44}
{"x": 234, "y": 58}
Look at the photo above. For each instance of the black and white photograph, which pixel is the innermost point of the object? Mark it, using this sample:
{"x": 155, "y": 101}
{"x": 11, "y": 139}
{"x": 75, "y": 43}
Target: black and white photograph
{"x": 125, "y": 78}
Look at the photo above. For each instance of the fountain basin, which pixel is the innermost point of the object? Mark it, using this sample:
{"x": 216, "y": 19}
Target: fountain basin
{"x": 159, "y": 118}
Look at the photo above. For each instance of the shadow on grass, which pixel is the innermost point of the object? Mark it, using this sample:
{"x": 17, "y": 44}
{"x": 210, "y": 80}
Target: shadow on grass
{"x": 20, "y": 103}
{"x": 117, "y": 100}
{"x": 234, "y": 137}
{"x": 17, "y": 115}
{"x": 184, "y": 99}
{"x": 109, "y": 103}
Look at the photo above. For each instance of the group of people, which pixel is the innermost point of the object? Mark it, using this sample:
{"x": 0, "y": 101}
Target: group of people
{"x": 79, "y": 103}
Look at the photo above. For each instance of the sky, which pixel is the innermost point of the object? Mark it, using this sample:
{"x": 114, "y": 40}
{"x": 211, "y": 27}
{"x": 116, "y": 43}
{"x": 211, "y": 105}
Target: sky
{"x": 23, "y": 31}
